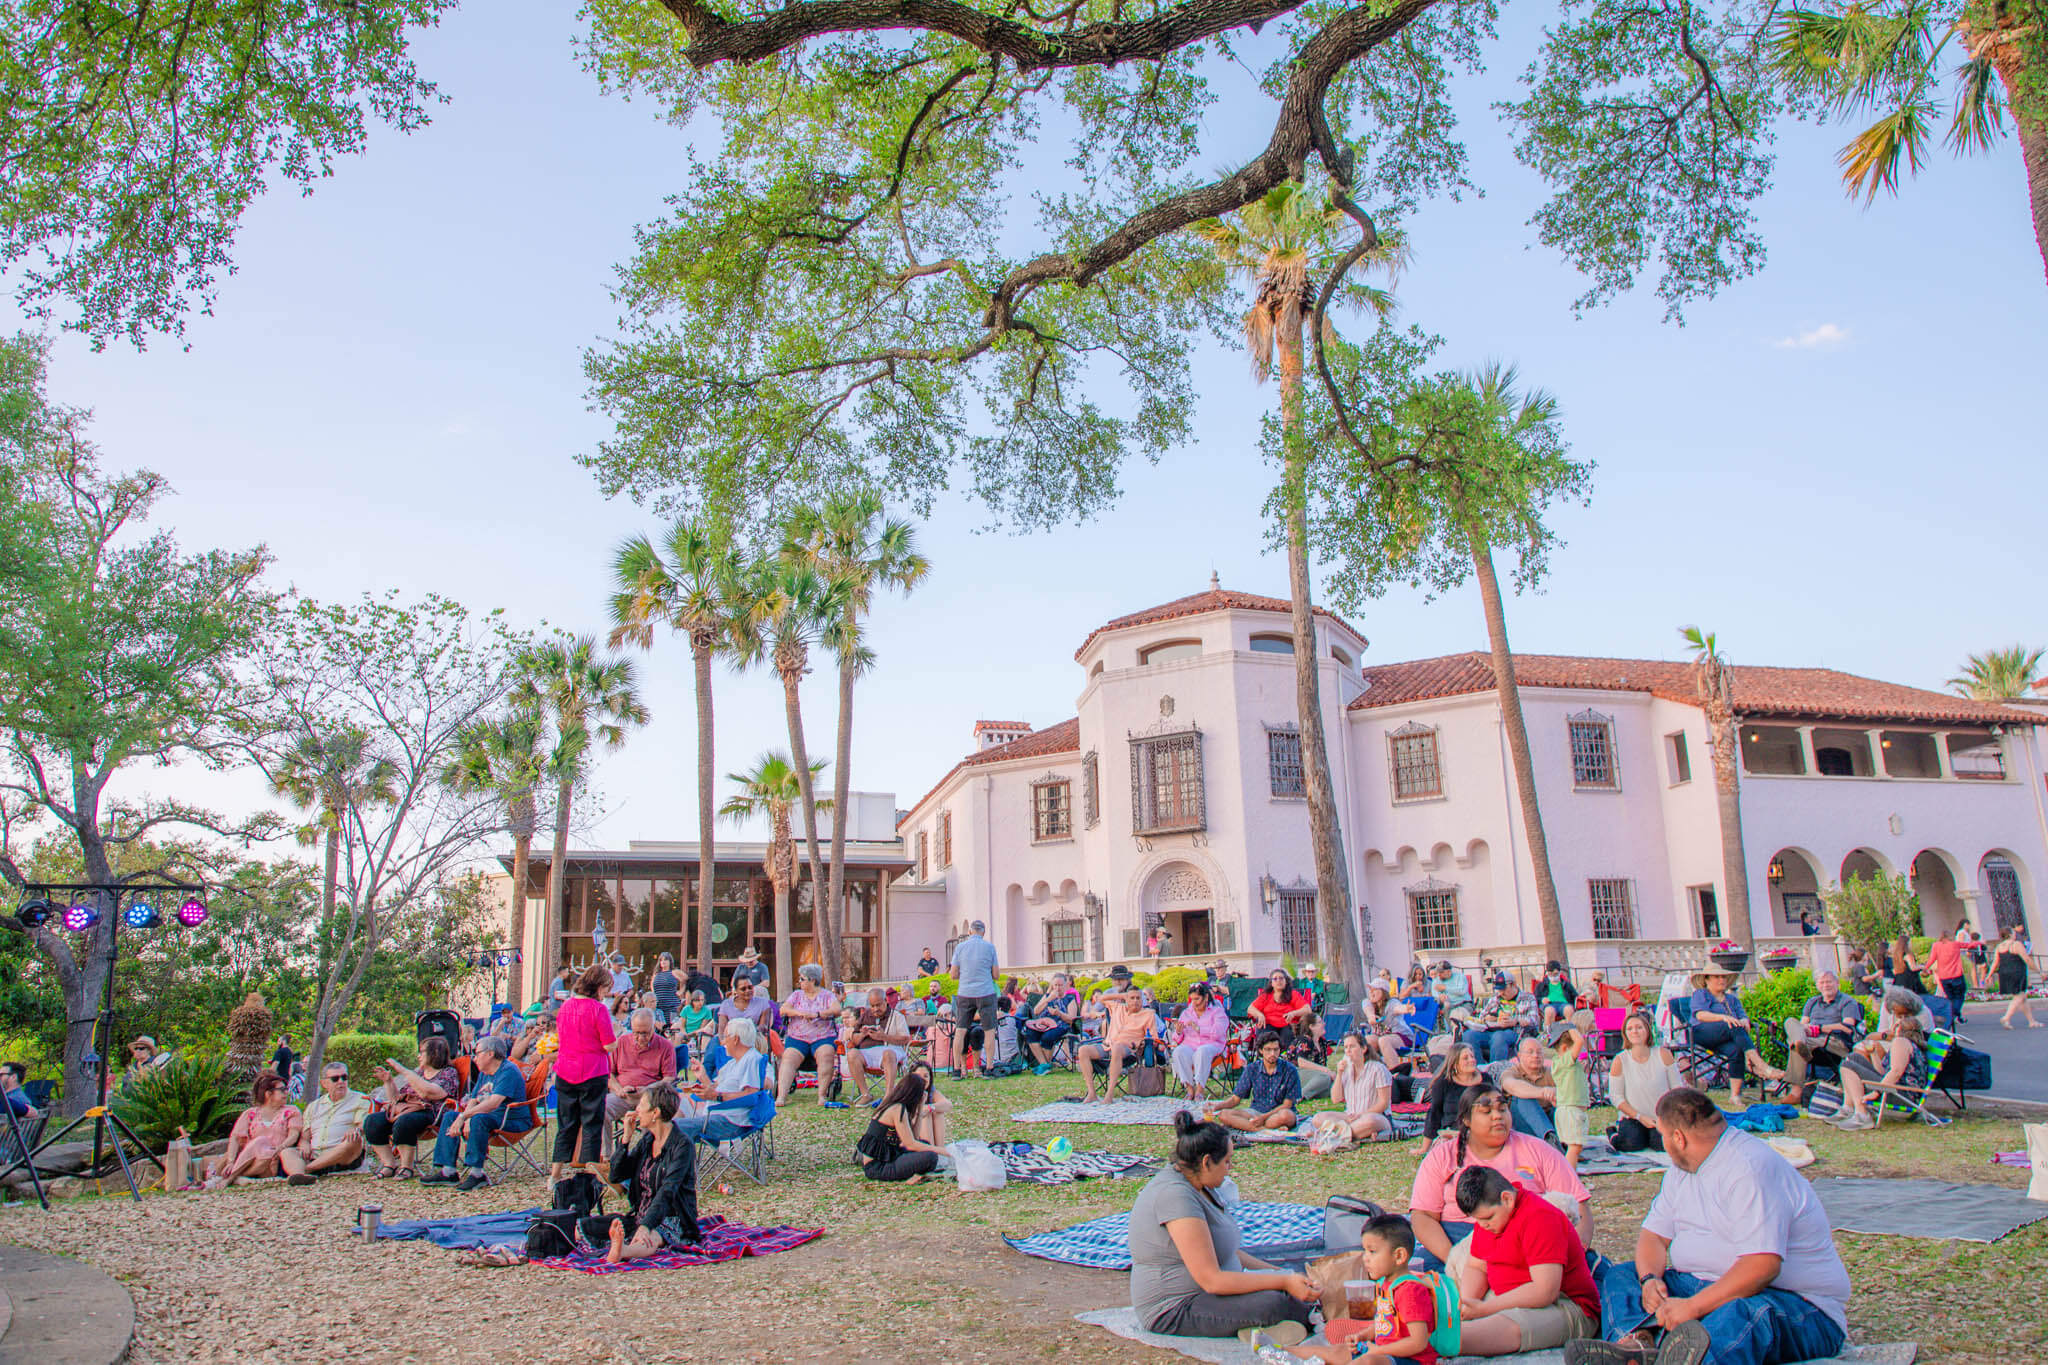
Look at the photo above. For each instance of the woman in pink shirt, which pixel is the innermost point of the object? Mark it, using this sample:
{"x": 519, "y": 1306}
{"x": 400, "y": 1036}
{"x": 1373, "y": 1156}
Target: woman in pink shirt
{"x": 1485, "y": 1137}
{"x": 583, "y": 1068}
{"x": 1200, "y": 1035}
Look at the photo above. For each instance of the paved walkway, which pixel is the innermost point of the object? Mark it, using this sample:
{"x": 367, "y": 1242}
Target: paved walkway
{"x": 57, "y": 1311}
{"x": 2019, "y": 1056}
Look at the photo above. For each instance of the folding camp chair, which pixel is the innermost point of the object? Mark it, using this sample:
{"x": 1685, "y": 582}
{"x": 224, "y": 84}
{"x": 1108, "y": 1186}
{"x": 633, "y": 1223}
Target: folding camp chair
{"x": 1911, "y": 1101}
{"x": 507, "y": 1149}
{"x": 1703, "y": 1068}
{"x": 748, "y": 1154}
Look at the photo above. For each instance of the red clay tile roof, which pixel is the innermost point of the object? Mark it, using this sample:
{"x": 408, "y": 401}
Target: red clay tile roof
{"x": 1759, "y": 690}
{"x": 981, "y": 725}
{"x": 1064, "y": 738}
{"x": 1215, "y": 599}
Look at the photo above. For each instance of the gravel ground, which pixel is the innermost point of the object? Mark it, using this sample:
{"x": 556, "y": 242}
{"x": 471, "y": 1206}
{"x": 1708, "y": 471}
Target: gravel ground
{"x": 271, "y": 1273}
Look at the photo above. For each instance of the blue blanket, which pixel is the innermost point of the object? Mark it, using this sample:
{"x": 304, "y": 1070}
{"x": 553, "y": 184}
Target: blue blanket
{"x": 1272, "y": 1232}
{"x": 478, "y": 1230}
{"x": 1762, "y": 1118}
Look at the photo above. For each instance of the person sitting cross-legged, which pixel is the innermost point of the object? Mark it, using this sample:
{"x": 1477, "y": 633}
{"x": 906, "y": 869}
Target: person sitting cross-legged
{"x": 1525, "y": 1286}
{"x": 657, "y": 1166}
{"x": 1365, "y": 1089}
{"x": 1736, "y": 1263}
{"x": 331, "y": 1137}
{"x": 264, "y": 1140}
{"x": 1128, "y": 1024}
{"x": 879, "y": 1042}
{"x": 496, "y": 1103}
{"x": 1268, "y": 1089}
{"x": 899, "y": 1144}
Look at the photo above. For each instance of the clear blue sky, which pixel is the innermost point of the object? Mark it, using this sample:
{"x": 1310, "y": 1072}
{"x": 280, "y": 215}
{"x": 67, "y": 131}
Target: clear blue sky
{"x": 1836, "y": 462}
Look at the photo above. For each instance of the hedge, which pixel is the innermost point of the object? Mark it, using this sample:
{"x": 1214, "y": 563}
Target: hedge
{"x": 365, "y": 1051}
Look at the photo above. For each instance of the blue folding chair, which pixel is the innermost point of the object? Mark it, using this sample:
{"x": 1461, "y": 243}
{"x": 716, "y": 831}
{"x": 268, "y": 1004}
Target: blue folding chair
{"x": 1703, "y": 1067}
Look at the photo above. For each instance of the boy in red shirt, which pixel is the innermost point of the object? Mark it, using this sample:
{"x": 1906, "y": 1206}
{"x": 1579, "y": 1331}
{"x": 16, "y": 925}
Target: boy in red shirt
{"x": 1526, "y": 1287}
{"x": 1404, "y": 1305}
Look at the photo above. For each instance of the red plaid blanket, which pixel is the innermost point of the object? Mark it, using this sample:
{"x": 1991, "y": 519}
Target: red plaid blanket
{"x": 723, "y": 1241}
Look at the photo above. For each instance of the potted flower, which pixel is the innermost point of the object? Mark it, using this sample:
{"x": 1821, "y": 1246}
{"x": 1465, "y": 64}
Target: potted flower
{"x": 1781, "y": 959}
{"x": 1729, "y": 955}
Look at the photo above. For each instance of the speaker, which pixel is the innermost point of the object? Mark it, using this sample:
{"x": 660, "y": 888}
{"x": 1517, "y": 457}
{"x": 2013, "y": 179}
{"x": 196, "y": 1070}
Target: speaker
{"x": 443, "y": 1024}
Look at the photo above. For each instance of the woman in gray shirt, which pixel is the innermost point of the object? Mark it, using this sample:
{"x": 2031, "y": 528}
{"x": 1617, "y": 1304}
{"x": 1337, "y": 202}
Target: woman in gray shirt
{"x": 1189, "y": 1275}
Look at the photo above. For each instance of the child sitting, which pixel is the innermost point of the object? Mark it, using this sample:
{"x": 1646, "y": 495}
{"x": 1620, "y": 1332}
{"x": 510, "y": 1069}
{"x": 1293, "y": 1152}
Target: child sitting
{"x": 1574, "y": 1093}
{"x": 1403, "y": 1306}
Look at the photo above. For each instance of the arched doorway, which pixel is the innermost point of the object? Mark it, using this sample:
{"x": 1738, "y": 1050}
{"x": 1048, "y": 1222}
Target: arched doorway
{"x": 1863, "y": 862}
{"x": 1794, "y": 879}
{"x": 1179, "y": 899}
{"x": 1933, "y": 878}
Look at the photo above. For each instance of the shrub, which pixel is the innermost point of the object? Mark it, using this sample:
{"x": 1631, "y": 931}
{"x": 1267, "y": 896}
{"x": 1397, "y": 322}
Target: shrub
{"x": 1920, "y": 945}
{"x": 1870, "y": 912}
{"x": 1770, "y": 1002}
{"x": 194, "y": 1094}
{"x": 364, "y": 1051}
{"x": 1170, "y": 987}
{"x": 944, "y": 985}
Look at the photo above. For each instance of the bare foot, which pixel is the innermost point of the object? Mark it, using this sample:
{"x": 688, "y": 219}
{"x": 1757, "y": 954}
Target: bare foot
{"x": 915, "y": 1180}
{"x": 617, "y": 1251}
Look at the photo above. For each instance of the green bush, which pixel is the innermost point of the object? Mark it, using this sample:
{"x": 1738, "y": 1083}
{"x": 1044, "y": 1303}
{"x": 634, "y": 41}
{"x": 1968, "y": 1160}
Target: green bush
{"x": 1920, "y": 945}
{"x": 944, "y": 985}
{"x": 194, "y": 1094}
{"x": 1870, "y": 912}
{"x": 365, "y": 1051}
{"x": 1170, "y": 987}
{"x": 1781, "y": 996}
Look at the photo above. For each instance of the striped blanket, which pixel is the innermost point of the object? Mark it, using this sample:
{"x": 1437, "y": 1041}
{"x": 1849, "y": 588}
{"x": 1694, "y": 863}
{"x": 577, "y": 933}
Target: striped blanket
{"x": 1269, "y": 1231}
{"x": 723, "y": 1241}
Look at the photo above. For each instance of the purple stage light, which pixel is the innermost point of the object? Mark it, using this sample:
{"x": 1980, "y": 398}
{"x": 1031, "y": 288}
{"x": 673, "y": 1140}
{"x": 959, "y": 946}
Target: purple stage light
{"x": 192, "y": 913}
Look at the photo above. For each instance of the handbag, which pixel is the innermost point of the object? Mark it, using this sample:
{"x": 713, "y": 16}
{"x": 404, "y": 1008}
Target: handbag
{"x": 551, "y": 1233}
{"x": 1344, "y": 1220}
{"x": 1147, "y": 1081}
{"x": 1826, "y": 1102}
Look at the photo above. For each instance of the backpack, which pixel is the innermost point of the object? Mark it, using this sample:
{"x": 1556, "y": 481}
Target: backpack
{"x": 551, "y": 1233}
{"x": 1445, "y": 1336}
{"x": 579, "y": 1194}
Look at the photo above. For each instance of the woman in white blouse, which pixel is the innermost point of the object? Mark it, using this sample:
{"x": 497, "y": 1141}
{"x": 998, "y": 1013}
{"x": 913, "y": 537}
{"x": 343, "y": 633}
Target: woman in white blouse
{"x": 1641, "y": 1074}
{"x": 1365, "y": 1089}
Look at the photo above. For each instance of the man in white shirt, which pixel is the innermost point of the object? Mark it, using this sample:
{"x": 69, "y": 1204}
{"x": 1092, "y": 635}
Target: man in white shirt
{"x": 331, "y": 1139}
{"x": 1735, "y": 1265}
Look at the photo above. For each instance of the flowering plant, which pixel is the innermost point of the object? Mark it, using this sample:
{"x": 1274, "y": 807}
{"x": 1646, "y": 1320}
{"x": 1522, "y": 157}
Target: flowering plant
{"x": 1782, "y": 952}
{"x": 1726, "y": 945}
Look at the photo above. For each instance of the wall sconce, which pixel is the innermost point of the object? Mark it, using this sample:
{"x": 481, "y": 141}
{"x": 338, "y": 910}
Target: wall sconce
{"x": 1775, "y": 873}
{"x": 1269, "y": 892}
{"x": 1091, "y": 902}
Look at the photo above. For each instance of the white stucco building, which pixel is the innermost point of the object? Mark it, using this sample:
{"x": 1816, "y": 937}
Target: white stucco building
{"x": 1173, "y": 796}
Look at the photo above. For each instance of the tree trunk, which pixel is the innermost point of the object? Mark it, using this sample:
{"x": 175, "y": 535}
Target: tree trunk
{"x": 2010, "y": 63}
{"x": 1510, "y": 695}
{"x": 785, "y": 975}
{"x": 334, "y": 995}
{"x": 85, "y": 985}
{"x": 707, "y": 803}
{"x": 551, "y": 928}
{"x": 522, "y": 854}
{"x": 331, "y": 878}
{"x": 1728, "y": 802}
{"x": 794, "y": 706}
{"x": 832, "y": 947}
{"x": 1326, "y": 835}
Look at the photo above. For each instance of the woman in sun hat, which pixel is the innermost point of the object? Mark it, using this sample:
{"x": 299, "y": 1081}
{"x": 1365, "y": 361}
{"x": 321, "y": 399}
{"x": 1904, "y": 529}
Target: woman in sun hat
{"x": 1721, "y": 1025}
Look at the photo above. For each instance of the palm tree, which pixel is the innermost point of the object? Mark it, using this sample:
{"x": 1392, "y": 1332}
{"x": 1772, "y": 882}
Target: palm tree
{"x": 771, "y": 791}
{"x": 1283, "y": 242}
{"x": 1846, "y": 55}
{"x": 2000, "y": 675}
{"x": 849, "y": 539}
{"x": 331, "y": 775}
{"x": 588, "y": 699}
{"x": 506, "y": 757}
{"x": 688, "y": 584}
{"x": 788, "y": 606}
{"x": 1714, "y": 681}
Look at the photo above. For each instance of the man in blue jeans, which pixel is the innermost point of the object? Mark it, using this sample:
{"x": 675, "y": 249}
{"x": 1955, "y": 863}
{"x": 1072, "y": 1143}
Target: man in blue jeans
{"x": 1735, "y": 1265}
{"x": 1495, "y": 1034}
{"x": 497, "y": 1088}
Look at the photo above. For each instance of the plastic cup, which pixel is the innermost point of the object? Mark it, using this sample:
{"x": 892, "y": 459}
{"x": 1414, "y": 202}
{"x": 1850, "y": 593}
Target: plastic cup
{"x": 1358, "y": 1295}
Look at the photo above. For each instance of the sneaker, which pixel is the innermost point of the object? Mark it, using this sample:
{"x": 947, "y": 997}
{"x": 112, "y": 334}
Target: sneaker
{"x": 473, "y": 1181}
{"x": 1685, "y": 1344}
{"x": 1607, "y": 1353}
{"x": 439, "y": 1178}
{"x": 1856, "y": 1123}
{"x": 1042, "y": 1069}
{"x": 1289, "y": 1333}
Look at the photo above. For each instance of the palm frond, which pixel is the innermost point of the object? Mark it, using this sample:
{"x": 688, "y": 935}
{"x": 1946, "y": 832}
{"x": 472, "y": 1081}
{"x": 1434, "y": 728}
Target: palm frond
{"x": 1871, "y": 160}
{"x": 1979, "y": 117}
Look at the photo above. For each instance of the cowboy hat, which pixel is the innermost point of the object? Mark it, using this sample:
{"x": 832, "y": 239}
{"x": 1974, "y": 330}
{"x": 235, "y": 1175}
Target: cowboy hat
{"x": 750, "y": 955}
{"x": 1700, "y": 974}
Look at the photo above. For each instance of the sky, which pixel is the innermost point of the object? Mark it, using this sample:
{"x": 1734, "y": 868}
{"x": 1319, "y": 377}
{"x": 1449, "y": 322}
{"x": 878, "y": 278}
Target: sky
{"x": 1835, "y": 462}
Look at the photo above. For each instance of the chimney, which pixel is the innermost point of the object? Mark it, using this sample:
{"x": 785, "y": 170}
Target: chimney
{"x": 990, "y": 733}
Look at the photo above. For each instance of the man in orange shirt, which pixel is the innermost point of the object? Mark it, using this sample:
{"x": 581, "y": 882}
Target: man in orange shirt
{"x": 1125, "y": 1033}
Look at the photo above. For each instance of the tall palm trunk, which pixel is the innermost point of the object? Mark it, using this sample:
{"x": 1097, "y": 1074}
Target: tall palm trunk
{"x": 329, "y": 880}
{"x": 1510, "y": 695}
{"x": 792, "y": 671}
{"x": 1326, "y": 835}
{"x": 781, "y": 874}
{"x": 831, "y": 946}
{"x": 2010, "y": 63}
{"x": 1728, "y": 804}
{"x": 707, "y": 812}
{"x": 551, "y": 947}
{"x": 522, "y": 858}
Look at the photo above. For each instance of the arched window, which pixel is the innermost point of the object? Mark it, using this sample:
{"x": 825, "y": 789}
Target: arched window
{"x": 1097, "y": 670}
{"x": 1169, "y": 649}
{"x": 1272, "y": 644}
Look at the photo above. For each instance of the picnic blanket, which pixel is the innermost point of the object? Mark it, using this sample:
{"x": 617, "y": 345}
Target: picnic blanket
{"x": 1230, "y": 1351}
{"x": 1598, "y": 1157}
{"x": 1405, "y": 1126}
{"x": 1269, "y": 1231}
{"x": 1032, "y": 1164}
{"x": 724, "y": 1240}
{"x": 1935, "y": 1209}
{"x": 1158, "y": 1109}
{"x": 2019, "y": 1159}
{"x": 474, "y": 1232}
{"x": 1761, "y": 1118}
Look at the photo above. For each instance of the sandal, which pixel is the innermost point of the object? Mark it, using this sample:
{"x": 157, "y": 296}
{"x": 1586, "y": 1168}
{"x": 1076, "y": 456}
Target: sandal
{"x": 386, "y": 1173}
{"x": 407, "y": 1173}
